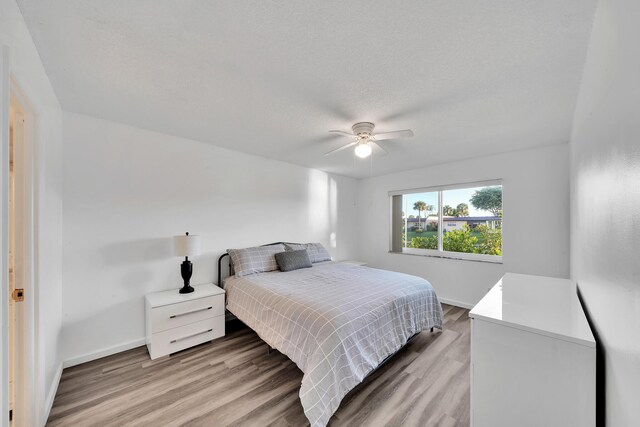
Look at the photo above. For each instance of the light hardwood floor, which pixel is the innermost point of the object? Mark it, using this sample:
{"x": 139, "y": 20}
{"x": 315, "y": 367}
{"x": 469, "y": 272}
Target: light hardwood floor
{"x": 234, "y": 381}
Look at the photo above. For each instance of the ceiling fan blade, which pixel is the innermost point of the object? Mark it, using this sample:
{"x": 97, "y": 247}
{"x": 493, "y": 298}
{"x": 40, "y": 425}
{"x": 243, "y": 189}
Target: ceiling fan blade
{"x": 394, "y": 134}
{"x": 341, "y": 148}
{"x": 379, "y": 146}
{"x": 342, "y": 132}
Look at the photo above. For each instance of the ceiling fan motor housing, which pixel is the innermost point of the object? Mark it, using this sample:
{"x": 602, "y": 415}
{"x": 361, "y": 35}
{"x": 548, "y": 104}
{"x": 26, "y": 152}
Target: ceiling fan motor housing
{"x": 363, "y": 128}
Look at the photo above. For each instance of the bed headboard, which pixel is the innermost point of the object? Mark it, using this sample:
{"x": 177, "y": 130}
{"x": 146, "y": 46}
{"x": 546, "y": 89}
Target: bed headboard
{"x": 230, "y": 266}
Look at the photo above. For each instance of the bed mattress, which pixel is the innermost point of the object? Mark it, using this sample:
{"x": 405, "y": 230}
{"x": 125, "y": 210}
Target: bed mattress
{"x": 336, "y": 321}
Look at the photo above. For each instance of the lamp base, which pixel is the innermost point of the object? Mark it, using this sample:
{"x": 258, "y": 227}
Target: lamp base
{"x": 186, "y": 289}
{"x": 186, "y": 268}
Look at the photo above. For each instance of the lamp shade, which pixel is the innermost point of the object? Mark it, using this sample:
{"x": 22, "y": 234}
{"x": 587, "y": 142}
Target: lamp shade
{"x": 187, "y": 245}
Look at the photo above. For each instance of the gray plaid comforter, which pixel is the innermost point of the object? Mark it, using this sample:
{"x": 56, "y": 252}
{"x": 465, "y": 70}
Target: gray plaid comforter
{"x": 336, "y": 321}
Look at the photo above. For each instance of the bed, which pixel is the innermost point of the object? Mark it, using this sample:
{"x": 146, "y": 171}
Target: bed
{"x": 337, "y": 321}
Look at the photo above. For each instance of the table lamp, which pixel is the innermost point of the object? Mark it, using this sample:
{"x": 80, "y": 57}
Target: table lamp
{"x": 186, "y": 246}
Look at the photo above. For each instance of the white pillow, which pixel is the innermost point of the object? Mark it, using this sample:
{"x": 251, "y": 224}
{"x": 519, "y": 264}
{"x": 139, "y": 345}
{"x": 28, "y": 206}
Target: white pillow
{"x": 254, "y": 260}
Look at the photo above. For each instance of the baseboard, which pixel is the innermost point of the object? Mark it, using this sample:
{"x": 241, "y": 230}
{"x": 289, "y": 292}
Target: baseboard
{"x": 88, "y": 357}
{"x": 53, "y": 389}
{"x": 457, "y": 303}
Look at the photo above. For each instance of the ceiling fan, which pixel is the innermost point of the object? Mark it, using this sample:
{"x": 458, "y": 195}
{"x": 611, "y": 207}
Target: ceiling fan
{"x": 365, "y": 139}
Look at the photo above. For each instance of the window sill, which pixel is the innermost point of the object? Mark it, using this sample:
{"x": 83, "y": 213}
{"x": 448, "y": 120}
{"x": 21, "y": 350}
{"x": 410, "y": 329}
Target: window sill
{"x": 493, "y": 259}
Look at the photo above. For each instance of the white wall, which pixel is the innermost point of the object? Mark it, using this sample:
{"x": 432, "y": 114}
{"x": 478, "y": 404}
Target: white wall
{"x": 535, "y": 224}
{"x": 605, "y": 201}
{"x": 128, "y": 190}
{"x": 29, "y": 73}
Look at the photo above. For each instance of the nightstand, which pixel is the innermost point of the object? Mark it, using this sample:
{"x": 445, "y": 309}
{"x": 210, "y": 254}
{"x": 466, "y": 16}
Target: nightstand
{"x": 354, "y": 262}
{"x": 177, "y": 321}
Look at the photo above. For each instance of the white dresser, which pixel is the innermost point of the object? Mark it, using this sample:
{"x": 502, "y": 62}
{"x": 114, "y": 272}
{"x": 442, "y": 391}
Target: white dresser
{"x": 176, "y": 321}
{"x": 533, "y": 356}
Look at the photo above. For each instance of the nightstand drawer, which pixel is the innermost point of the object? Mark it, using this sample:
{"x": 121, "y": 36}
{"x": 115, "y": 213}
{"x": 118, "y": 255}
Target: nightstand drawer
{"x": 184, "y": 313}
{"x": 176, "y": 339}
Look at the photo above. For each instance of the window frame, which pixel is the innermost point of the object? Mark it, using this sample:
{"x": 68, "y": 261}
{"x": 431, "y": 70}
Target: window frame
{"x": 440, "y": 252}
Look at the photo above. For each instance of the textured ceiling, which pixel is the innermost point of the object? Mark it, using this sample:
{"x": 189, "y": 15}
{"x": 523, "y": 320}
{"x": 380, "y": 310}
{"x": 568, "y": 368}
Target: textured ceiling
{"x": 271, "y": 78}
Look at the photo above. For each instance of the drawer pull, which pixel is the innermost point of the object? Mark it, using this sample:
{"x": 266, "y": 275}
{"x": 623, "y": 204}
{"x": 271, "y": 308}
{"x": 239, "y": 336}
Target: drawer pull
{"x": 189, "y": 312}
{"x": 190, "y": 336}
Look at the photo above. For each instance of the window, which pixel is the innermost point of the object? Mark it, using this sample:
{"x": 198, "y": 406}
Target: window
{"x": 455, "y": 221}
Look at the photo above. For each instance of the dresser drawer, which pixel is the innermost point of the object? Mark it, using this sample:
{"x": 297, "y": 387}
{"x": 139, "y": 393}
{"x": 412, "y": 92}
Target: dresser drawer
{"x": 184, "y": 313}
{"x": 176, "y": 339}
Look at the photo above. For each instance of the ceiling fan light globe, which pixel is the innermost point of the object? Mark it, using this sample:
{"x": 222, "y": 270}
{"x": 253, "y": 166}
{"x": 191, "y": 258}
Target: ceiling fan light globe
{"x": 363, "y": 150}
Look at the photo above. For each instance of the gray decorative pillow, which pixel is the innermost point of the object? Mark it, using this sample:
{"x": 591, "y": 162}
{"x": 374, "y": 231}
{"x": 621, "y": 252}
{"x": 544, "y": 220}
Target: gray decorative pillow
{"x": 293, "y": 260}
{"x": 317, "y": 252}
{"x": 254, "y": 260}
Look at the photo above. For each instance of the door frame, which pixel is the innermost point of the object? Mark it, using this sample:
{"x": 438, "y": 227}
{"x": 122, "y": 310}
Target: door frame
{"x": 5, "y": 85}
{"x": 26, "y": 413}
